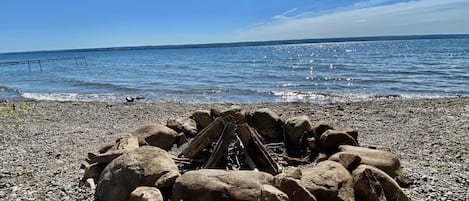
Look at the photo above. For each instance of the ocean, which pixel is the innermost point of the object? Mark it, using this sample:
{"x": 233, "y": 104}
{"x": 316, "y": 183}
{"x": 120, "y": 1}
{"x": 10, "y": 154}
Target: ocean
{"x": 319, "y": 72}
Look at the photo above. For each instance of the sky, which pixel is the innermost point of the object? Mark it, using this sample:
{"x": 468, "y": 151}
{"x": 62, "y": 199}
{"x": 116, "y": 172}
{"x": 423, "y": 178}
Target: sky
{"x": 30, "y": 25}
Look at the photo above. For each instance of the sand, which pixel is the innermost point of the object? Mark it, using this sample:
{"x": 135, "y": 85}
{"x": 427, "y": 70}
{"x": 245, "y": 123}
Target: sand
{"x": 43, "y": 143}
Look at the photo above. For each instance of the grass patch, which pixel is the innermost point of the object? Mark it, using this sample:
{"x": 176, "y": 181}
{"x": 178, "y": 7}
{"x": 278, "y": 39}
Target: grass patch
{"x": 14, "y": 111}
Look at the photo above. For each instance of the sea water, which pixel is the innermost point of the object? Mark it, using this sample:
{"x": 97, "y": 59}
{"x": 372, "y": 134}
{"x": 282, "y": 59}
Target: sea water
{"x": 311, "y": 72}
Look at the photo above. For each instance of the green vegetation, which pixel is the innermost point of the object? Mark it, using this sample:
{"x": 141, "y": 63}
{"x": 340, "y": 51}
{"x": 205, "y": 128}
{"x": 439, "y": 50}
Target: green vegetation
{"x": 14, "y": 111}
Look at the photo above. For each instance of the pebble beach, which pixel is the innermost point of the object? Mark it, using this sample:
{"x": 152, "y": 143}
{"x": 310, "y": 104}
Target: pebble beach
{"x": 43, "y": 143}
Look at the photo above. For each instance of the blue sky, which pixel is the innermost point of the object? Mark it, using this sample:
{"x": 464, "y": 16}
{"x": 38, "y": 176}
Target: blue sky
{"x": 27, "y": 25}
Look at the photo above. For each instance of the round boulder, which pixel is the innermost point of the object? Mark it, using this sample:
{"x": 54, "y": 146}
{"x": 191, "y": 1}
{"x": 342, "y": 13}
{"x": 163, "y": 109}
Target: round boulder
{"x": 296, "y": 127}
{"x": 156, "y": 135}
{"x": 145, "y": 193}
{"x": 332, "y": 139}
{"x": 383, "y": 160}
{"x": 213, "y": 185}
{"x": 202, "y": 118}
{"x": 183, "y": 125}
{"x": 144, "y": 166}
{"x": 267, "y": 123}
{"x": 391, "y": 189}
{"x": 328, "y": 180}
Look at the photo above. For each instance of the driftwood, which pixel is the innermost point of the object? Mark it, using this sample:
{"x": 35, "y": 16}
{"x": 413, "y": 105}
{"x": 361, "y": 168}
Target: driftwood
{"x": 222, "y": 145}
{"x": 236, "y": 145}
{"x": 205, "y": 137}
{"x": 256, "y": 150}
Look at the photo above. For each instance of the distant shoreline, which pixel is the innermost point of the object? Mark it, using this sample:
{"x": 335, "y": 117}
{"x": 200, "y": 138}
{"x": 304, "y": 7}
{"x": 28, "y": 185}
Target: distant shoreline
{"x": 261, "y": 43}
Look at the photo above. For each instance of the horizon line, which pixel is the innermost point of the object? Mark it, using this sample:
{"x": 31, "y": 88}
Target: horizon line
{"x": 257, "y": 43}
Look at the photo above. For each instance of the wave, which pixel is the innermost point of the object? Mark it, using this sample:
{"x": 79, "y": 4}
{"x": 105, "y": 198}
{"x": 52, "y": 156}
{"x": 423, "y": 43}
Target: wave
{"x": 10, "y": 90}
{"x": 73, "y": 97}
{"x": 98, "y": 85}
{"x": 318, "y": 97}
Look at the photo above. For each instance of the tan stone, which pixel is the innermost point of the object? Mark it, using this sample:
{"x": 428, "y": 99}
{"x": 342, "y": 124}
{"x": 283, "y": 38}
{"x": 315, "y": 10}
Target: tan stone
{"x": 293, "y": 188}
{"x": 267, "y": 123}
{"x": 214, "y": 185}
{"x": 270, "y": 193}
{"x": 383, "y": 160}
{"x": 391, "y": 189}
{"x": 320, "y": 127}
{"x": 156, "y": 135}
{"x": 144, "y": 166}
{"x": 295, "y": 128}
{"x": 202, "y": 118}
{"x": 332, "y": 139}
{"x": 183, "y": 125}
{"x": 146, "y": 193}
{"x": 328, "y": 180}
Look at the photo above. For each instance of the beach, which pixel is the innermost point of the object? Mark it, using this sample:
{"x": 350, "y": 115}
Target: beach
{"x": 43, "y": 143}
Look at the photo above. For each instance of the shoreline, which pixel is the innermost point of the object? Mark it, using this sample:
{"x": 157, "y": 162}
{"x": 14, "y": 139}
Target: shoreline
{"x": 42, "y": 143}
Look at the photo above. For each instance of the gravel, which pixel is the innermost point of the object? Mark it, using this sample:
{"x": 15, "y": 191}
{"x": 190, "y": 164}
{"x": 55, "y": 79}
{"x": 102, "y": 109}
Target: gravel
{"x": 43, "y": 143}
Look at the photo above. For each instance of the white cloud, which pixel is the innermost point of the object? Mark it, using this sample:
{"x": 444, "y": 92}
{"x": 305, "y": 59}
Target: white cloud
{"x": 414, "y": 17}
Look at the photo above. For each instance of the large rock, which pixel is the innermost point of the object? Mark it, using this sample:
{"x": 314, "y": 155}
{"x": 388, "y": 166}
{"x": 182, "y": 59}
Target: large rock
{"x": 320, "y": 127}
{"x": 183, "y": 125}
{"x": 146, "y": 193}
{"x": 367, "y": 187}
{"x": 267, "y": 123}
{"x": 202, "y": 118}
{"x": 383, "y": 160}
{"x": 293, "y": 188}
{"x": 145, "y": 166}
{"x": 121, "y": 145}
{"x": 332, "y": 139}
{"x": 211, "y": 184}
{"x": 295, "y": 128}
{"x": 237, "y": 112}
{"x": 391, "y": 189}
{"x": 270, "y": 193}
{"x": 328, "y": 180}
{"x": 156, "y": 135}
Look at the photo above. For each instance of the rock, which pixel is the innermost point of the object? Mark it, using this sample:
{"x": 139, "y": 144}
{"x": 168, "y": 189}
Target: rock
{"x": 145, "y": 193}
{"x": 185, "y": 125}
{"x": 127, "y": 143}
{"x": 270, "y": 193}
{"x": 383, "y": 160}
{"x": 202, "y": 118}
{"x": 144, "y": 166}
{"x": 293, "y": 188}
{"x": 156, "y": 135}
{"x": 211, "y": 184}
{"x": 121, "y": 145}
{"x": 391, "y": 189}
{"x": 267, "y": 123}
{"x": 332, "y": 139}
{"x": 349, "y": 161}
{"x": 321, "y": 127}
{"x": 367, "y": 187}
{"x": 236, "y": 112}
{"x": 352, "y": 132}
{"x": 295, "y": 128}
{"x": 293, "y": 172}
{"x": 328, "y": 180}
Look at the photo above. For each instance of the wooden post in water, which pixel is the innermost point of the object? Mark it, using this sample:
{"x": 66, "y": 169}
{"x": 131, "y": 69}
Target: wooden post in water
{"x": 29, "y": 64}
{"x": 40, "y": 66}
